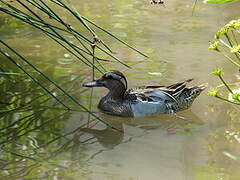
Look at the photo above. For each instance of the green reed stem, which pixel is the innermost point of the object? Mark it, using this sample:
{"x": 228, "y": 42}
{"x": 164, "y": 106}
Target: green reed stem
{"x": 29, "y": 75}
{"x": 56, "y": 36}
{"x": 61, "y": 89}
{"x": 70, "y": 28}
{"x": 24, "y": 17}
{"x": 54, "y": 31}
{"x": 66, "y": 134}
{"x": 115, "y": 37}
{"x": 34, "y": 22}
{"x": 93, "y": 60}
{"x": 33, "y": 159}
{"x": 75, "y": 14}
{"x": 57, "y": 18}
{"x": 100, "y": 65}
{"x": 118, "y": 60}
{"x": 19, "y": 120}
{"x": 93, "y": 77}
{"x": 224, "y": 82}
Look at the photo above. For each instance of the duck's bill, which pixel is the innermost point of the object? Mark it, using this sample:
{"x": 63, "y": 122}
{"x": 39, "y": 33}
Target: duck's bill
{"x": 93, "y": 84}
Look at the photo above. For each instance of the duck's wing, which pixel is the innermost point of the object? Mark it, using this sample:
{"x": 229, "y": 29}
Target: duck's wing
{"x": 157, "y": 93}
{"x": 179, "y": 85}
{"x": 148, "y": 94}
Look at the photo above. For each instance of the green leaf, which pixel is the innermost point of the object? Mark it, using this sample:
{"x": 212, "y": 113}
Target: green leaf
{"x": 213, "y": 92}
{"x": 217, "y": 72}
{"x": 235, "y": 49}
{"x": 219, "y": 1}
{"x": 214, "y": 46}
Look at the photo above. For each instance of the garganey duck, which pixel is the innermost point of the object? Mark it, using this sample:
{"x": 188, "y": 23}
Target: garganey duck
{"x": 145, "y": 100}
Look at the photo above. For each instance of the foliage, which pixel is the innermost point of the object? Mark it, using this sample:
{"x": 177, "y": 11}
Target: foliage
{"x": 227, "y": 44}
{"x": 34, "y": 107}
{"x": 82, "y": 44}
{"x": 45, "y": 17}
{"x": 31, "y": 127}
{"x": 219, "y": 1}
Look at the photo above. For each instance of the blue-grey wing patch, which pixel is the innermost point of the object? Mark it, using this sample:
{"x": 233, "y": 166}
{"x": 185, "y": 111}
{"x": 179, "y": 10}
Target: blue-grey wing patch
{"x": 148, "y": 108}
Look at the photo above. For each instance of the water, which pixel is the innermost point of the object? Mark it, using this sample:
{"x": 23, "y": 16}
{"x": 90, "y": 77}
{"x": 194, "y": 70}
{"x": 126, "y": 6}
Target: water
{"x": 55, "y": 144}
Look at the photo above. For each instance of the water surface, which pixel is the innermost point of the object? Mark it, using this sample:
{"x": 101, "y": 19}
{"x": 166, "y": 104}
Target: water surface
{"x": 55, "y": 144}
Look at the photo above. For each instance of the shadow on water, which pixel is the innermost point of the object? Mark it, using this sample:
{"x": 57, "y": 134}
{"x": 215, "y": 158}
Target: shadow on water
{"x": 109, "y": 138}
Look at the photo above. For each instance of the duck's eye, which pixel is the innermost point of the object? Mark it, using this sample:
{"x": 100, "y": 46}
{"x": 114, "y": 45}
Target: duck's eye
{"x": 108, "y": 76}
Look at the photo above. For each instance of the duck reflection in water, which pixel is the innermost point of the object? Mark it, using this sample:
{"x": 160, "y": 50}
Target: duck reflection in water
{"x": 129, "y": 128}
{"x": 108, "y": 137}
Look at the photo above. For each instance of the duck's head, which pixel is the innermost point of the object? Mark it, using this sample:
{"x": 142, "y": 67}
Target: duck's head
{"x": 112, "y": 80}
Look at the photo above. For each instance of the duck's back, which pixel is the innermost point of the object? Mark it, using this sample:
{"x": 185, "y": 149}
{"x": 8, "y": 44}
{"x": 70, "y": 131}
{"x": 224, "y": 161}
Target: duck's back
{"x": 148, "y": 100}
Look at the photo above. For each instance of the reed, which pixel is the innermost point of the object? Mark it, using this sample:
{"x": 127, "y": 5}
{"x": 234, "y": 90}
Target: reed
{"x": 58, "y": 30}
{"x": 43, "y": 16}
{"x": 38, "y": 124}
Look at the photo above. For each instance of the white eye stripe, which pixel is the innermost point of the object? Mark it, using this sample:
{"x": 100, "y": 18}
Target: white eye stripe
{"x": 124, "y": 82}
{"x": 115, "y": 76}
{"x": 112, "y": 75}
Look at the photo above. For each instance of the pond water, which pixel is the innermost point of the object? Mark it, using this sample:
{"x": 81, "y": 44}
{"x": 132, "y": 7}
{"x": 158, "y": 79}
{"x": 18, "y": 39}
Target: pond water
{"x": 43, "y": 141}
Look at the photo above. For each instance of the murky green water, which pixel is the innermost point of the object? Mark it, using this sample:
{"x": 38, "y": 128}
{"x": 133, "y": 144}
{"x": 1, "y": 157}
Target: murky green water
{"x": 50, "y": 143}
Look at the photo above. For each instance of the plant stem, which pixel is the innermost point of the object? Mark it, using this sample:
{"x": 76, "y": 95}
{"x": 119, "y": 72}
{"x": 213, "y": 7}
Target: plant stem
{"x": 229, "y": 41}
{"x": 223, "y": 81}
{"x": 93, "y": 60}
{"x": 29, "y": 75}
{"x": 114, "y": 37}
{"x": 219, "y": 97}
{"x": 230, "y": 59}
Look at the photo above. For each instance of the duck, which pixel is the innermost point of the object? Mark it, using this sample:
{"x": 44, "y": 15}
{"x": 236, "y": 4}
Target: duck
{"x": 143, "y": 100}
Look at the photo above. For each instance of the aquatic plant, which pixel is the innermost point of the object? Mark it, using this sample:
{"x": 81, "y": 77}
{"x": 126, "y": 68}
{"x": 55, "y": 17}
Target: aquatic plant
{"x": 44, "y": 16}
{"x": 81, "y": 44}
{"x": 34, "y": 106}
{"x": 227, "y": 44}
{"x": 219, "y": 1}
{"x": 213, "y": 2}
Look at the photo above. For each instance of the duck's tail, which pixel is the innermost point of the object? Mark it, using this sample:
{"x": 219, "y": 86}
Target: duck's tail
{"x": 180, "y": 85}
{"x": 198, "y": 89}
{"x": 188, "y": 95}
